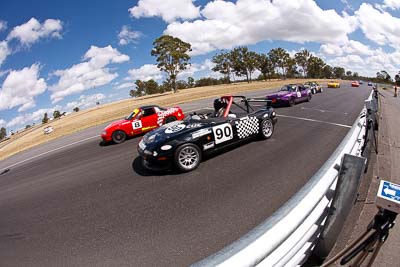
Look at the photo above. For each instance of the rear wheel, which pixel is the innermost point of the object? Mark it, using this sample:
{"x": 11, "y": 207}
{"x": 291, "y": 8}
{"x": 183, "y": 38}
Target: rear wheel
{"x": 266, "y": 128}
{"x": 170, "y": 119}
{"x": 314, "y": 91}
{"x": 309, "y": 97}
{"x": 118, "y": 137}
{"x": 187, "y": 157}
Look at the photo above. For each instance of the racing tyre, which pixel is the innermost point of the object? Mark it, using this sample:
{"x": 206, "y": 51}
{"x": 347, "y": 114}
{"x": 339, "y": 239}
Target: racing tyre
{"x": 314, "y": 91}
{"x": 266, "y": 128}
{"x": 187, "y": 157}
{"x": 291, "y": 102}
{"x": 309, "y": 98}
{"x": 170, "y": 119}
{"x": 118, "y": 137}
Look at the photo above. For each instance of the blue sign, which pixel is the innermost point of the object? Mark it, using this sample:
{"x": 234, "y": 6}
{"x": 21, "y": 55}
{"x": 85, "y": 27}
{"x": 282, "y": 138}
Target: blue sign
{"x": 389, "y": 191}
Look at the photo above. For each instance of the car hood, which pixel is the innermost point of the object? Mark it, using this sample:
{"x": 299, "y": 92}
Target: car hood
{"x": 173, "y": 130}
{"x": 116, "y": 123}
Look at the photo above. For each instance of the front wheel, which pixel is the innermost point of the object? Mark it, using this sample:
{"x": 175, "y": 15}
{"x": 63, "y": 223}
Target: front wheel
{"x": 187, "y": 157}
{"x": 308, "y": 98}
{"x": 291, "y": 102}
{"x": 266, "y": 128}
{"x": 118, "y": 137}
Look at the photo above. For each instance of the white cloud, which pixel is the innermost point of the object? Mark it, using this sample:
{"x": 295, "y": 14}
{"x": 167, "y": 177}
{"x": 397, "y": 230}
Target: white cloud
{"x": 350, "y": 47}
{"x": 88, "y": 74}
{"x": 169, "y": 10}
{"x": 3, "y": 25}
{"x": 379, "y": 26}
{"x": 145, "y": 73}
{"x": 125, "y": 85}
{"x": 31, "y": 31}
{"x": 21, "y": 87}
{"x": 393, "y": 4}
{"x": 29, "y": 118}
{"x": 227, "y": 24}
{"x": 127, "y": 36}
{"x": 205, "y": 66}
{"x": 4, "y": 51}
{"x": 85, "y": 101}
{"x": 2, "y": 123}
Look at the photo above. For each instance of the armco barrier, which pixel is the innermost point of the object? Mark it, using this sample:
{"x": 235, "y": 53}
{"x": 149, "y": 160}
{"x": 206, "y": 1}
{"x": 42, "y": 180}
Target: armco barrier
{"x": 288, "y": 236}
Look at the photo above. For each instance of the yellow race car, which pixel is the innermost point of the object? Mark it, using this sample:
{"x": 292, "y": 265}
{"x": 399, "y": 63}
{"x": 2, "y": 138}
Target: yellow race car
{"x": 333, "y": 84}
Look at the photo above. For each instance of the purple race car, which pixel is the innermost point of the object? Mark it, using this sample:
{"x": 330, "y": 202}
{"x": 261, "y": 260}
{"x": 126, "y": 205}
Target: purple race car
{"x": 290, "y": 94}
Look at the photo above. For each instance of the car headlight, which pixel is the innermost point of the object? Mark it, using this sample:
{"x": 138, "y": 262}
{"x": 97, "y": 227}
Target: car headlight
{"x": 103, "y": 132}
{"x": 273, "y": 114}
{"x": 155, "y": 153}
{"x": 166, "y": 147}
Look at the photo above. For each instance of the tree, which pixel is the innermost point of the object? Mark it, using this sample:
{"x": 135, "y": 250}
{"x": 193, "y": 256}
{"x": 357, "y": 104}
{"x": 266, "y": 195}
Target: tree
{"x": 3, "y": 133}
{"x": 76, "y": 109}
{"x": 28, "y": 126}
{"x": 132, "y": 93}
{"x": 45, "y": 118}
{"x": 244, "y": 61}
{"x": 172, "y": 56}
{"x": 315, "y": 67}
{"x": 140, "y": 88}
{"x": 223, "y": 64}
{"x": 338, "y": 72}
{"x": 56, "y": 114}
{"x": 190, "y": 82}
{"x": 383, "y": 76}
{"x": 279, "y": 57}
{"x": 265, "y": 66}
{"x": 291, "y": 68}
{"x": 397, "y": 79}
{"x": 151, "y": 87}
{"x": 348, "y": 73}
{"x": 302, "y": 58}
{"x": 327, "y": 72}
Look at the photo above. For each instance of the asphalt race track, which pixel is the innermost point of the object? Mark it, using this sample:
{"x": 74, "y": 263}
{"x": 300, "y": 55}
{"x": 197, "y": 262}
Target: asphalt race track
{"x": 92, "y": 205}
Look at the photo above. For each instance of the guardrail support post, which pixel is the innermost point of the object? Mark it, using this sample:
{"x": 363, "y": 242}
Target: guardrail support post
{"x": 349, "y": 179}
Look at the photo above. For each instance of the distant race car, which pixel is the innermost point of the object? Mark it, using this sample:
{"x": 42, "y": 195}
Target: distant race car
{"x": 290, "y": 94}
{"x": 361, "y": 82}
{"x": 333, "y": 84}
{"x": 355, "y": 84}
{"x": 141, "y": 120}
{"x": 314, "y": 87}
{"x": 369, "y": 83}
{"x": 183, "y": 143}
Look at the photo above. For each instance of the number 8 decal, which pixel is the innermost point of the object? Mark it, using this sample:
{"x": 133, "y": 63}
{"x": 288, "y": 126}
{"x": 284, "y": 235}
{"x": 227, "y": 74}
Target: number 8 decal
{"x": 137, "y": 124}
{"x": 222, "y": 133}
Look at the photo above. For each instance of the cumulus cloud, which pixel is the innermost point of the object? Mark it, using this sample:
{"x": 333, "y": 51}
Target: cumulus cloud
{"x": 393, "y": 4}
{"x": 85, "y": 101}
{"x": 168, "y": 10}
{"x": 351, "y": 47}
{"x": 2, "y": 123}
{"x": 205, "y": 66}
{"x": 31, "y": 31}
{"x": 145, "y": 73}
{"x": 379, "y": 26}
{"x": 29, "y": 118}
{"x": 21, "y": 87}
{"x": 3, "y": 25}
{"x": 4, "y": 51}
{"x": 91, "y": 73}
{"x": 127, "y": 36}
{"x": 125, "y": 85}
{"x": 227, "y": 24}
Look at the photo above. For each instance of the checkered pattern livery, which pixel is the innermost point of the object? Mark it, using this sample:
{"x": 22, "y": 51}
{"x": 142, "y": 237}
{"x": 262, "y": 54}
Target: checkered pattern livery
{"x": 247, "y": 126}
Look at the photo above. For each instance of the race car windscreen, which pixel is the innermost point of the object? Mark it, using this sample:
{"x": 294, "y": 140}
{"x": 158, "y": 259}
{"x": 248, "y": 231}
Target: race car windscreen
{"x": 288, "y": 88}
{"x": 133, "y": 114}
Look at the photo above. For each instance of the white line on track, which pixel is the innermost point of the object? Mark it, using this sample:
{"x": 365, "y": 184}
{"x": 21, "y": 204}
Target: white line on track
{"x": 71, "y": 144}
{"x": 52, "y": 150}
{"x": 306, "y": 119}
{"x": 324, "y": 110}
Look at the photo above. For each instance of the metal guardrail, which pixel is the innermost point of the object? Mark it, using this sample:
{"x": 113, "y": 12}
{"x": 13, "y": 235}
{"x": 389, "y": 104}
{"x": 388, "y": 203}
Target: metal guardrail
{"x": 288, "y": 236}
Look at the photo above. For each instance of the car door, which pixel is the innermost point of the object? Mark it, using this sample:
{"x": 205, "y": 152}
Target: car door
{"x": 303, "y": 92}
{"x": 148, "y": 119}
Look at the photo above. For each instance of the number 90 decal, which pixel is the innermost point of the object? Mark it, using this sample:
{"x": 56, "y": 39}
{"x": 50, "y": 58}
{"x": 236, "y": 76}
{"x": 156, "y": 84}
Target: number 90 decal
{"x": 222, "y": 133}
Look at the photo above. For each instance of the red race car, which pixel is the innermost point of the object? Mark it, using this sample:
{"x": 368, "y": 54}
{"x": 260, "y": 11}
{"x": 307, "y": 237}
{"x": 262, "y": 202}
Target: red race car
{"x": 141, "y": 120}
{"x": 355, "y": 84}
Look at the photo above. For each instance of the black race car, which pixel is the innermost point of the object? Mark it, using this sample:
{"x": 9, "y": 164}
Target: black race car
{"x": 183, "y": 143}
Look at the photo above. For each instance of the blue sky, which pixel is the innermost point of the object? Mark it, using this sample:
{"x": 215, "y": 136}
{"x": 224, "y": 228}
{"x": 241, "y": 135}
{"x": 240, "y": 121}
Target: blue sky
{"x": 58, "y": 55}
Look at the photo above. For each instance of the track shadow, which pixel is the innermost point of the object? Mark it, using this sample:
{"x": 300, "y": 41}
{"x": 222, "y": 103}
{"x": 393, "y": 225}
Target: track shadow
{"x": 111, "y": 143}
{"x": 140, "y": 169}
